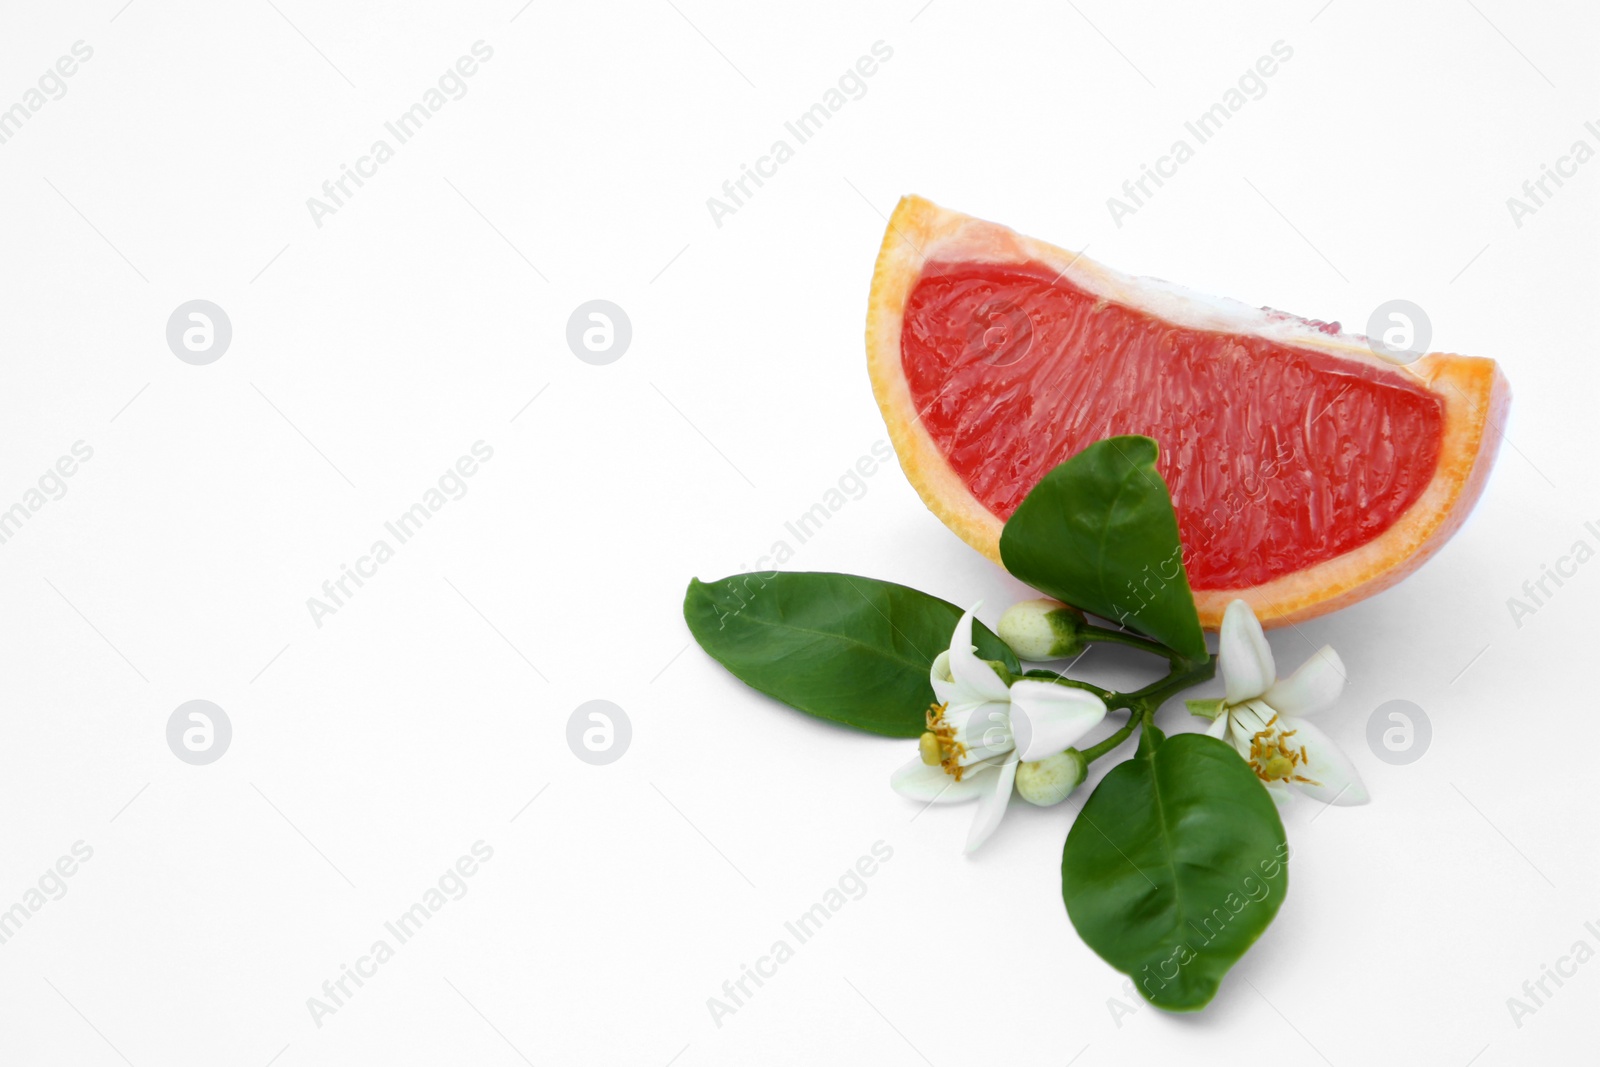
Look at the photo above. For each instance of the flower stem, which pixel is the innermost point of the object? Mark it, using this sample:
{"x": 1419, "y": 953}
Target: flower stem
{"x": 1131, "y": 640}
{"x": 1094, "y": 752}
{"x": 1142, "y": 704}
{"x": 1043, "y": 675}
{"x": 1180, "y": 678}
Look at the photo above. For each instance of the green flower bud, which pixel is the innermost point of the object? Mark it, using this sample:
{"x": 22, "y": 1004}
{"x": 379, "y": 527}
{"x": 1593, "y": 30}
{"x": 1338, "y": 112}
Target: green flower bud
{"x": 1051, "y": 780}
{"x": 1042, "y": 629}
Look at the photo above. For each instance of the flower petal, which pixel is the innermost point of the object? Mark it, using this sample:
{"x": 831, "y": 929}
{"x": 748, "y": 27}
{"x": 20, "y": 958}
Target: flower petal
{"x": 1244, "y": 655}
{"x": 1047, "y": 718}
{"x": 1327, "y": 765}
{"x": 1250, "y": 719}
{"x": 974, "y": 678}
{"x": 1219, "y": 727}
{"x": 918, "y": 781}
{"x": 992, "y": 804}
{"x": 983, "y": 726}
{"x": 1314, "y": 687}
{"x": 939, "y": 676}
{"x": 1243, "y": 723}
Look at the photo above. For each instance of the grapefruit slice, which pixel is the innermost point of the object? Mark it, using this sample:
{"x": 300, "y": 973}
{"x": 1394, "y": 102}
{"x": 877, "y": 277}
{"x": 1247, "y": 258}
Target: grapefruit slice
{"x": 1307, "y": 472}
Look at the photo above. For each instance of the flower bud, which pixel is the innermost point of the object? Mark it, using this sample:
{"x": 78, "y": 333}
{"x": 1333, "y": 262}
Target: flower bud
{"x": 1051, "y": 780}
{"x": 1042, "y": 629}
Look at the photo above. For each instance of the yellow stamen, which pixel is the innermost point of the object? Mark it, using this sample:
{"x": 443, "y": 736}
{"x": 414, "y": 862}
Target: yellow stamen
{"x": 940, "y": 741}
{"x": 1273, "y": 759}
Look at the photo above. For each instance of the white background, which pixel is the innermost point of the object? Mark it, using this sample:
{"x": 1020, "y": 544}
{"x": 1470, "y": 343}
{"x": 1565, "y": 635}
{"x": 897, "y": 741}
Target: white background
{"x": 369, "y": 353}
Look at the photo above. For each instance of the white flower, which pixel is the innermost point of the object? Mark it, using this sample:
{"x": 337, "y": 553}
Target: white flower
{"x": 1264, "y": 717}
{"x": 983, "y": 726}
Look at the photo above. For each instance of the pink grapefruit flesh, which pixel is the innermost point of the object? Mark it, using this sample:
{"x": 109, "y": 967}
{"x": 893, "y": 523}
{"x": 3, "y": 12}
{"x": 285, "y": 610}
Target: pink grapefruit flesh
{"x": 1307, "y": 471}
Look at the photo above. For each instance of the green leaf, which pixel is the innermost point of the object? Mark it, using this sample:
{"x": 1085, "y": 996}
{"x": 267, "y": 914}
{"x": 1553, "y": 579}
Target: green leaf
{"x": 1099, "y": 532}
{"x": 840, "y": 647}
{"x": 1174, "y": 867}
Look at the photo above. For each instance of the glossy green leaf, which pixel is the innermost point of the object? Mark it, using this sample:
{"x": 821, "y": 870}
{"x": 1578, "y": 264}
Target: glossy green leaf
{"x": 853, "y": 650}
{"x": 1174, "y": 867}
{"x": 1099, "y": 532}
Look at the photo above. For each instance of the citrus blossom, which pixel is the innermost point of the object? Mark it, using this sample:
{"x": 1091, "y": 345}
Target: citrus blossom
{"x": 982, "y": 726}
{"x": 1263, "y": 716}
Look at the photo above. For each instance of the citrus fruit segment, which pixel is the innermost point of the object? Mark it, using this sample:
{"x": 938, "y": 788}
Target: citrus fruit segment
{"x": 1306, "y": 471}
